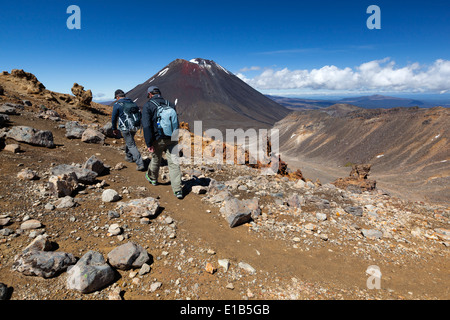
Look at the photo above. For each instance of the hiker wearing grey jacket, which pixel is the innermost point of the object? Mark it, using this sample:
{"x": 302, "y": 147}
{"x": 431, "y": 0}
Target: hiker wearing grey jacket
{"x": 158, "y": 144}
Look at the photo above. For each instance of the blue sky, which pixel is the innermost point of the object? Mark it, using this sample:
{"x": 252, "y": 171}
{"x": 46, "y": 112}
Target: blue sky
{"x": 288, "y": 47}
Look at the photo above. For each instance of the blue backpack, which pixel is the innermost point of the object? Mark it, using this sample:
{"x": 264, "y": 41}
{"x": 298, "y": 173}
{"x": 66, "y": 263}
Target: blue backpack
{"x": 167, "y": 118}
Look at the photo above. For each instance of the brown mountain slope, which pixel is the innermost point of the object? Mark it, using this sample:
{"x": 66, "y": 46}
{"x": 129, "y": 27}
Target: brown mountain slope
{"x": 206, "y": 91}
{"x": 407, "y": 146}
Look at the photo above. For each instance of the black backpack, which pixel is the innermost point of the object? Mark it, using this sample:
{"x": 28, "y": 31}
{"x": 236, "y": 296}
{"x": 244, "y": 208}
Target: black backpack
{"x": 132, "y": 115}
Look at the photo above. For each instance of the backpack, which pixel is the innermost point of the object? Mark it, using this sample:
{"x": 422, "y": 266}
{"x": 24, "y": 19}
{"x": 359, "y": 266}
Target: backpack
{"x": 167, "y": 119}
{"x": 132, "y": 115}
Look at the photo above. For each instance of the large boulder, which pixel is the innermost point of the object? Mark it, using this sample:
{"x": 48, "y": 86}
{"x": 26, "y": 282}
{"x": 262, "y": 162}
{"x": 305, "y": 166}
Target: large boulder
{"x": 83, "y": 175}
{"x": 93, "y": 136}
{"x": 74, "y": 129}
{"x": 127, "y": 256}
{"x": 42, "y": 138}
{"x": 37, "y": 260}
{"x": 90, "y": 274}
{"x": 358, "y": 180}
{"x": 236, "y": 212}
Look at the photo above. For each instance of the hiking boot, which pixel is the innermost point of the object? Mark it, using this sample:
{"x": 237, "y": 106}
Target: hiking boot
{"x": 179, "y": 194}
{"x": 153, "y": 182}
{"x": 129, "y": 160}
{"x": 140, "y": 168}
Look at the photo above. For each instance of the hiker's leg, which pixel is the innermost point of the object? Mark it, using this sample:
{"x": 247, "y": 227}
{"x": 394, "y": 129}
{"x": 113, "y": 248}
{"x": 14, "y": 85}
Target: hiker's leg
{"x": 174, "y": 166}
{"x": 131, "y": 150}
{"x": 153, "y": 168}
{"x": 127, "y": 137}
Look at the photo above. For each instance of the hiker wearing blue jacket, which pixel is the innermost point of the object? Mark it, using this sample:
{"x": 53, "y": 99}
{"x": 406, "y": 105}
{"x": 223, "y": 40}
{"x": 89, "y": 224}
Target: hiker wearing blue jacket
{"x": 158, "y": 143}
{"x": 121, "y": 122}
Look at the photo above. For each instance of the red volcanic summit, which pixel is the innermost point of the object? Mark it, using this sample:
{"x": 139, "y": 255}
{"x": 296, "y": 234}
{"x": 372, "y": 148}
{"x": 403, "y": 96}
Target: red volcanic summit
{"x": 204, "y": 90}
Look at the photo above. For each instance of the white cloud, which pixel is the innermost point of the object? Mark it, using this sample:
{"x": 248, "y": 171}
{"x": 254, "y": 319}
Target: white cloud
{"x": 377, "y": 75}
{"x": 246, "y": 69}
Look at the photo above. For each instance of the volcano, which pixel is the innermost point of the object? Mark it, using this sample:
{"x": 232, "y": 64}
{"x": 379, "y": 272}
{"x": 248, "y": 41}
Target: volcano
{"x": 204, "y": 90}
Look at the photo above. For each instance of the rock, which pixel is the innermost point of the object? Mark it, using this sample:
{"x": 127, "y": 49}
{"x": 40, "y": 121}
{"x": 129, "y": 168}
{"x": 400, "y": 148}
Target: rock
{"x": 144, "y": 269}
{"x": 83, "y": 97}
{"x": 296, "y": 201}
{"x": 199, "y": 189}
{"x": 31, "y": 224}
{"x": 442, "y": 234}
{"x": 9, "y": 109}
{"x": 246, "y": 267}
{"x": 4, "y": 221}
{"x": 356, "y": 211}
{"x": 31, "y": 136}
{"x": 114, "y": 229}
{"x": 66, "y": 202}
{"x": 357, "y": 180}
{"x": 74, "y": 130}
{"x": 2, "y": 91}
{"x": 83, "y": 175}
{"x": 210, "y": 268}
{"x": 155, "y": 286}
{"x": 36, "y": 260}
{"x": 95, "y": 164}
{"x": 146, "y": 207}
{"x": 14, "y": 148}
{"x": 93, "y": 136}
{"x": 3, "y": 287}
{"x": 64, "y": 184}
{"x": 90, "y": 274}
{"x": 253, "y": 205}
{"x": 224, "y": 263}
{"x": 115, "y": 294}
{"x": 321, "y": 216}
{"x": 27, "y": 174}
{"x": 236, "y": 213}
{"x": 49, "y": 207}
{"x": 110, "y": 195}
{"x": 4, "y": 119}
{"x": 127, "y": 256}
{"x": 372, "y": 233}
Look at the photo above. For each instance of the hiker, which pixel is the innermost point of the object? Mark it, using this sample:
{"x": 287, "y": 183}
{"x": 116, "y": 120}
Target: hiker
{"x": 127, "y": 114}
{"x": 158, "y": 140}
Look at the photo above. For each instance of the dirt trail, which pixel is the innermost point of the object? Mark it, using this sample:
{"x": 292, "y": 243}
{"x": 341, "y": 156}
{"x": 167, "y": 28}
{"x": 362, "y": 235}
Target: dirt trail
{"x": 282, "y": 270}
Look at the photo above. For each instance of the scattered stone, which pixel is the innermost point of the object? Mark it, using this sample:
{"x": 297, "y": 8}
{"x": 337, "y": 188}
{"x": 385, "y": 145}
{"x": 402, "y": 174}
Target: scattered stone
{"x": 4, "y": 221}
{"x": 31, "y": 136}
{"x": 146, "y": 207}
{"x": 83, "y": 175}
{"x": 31, "y": 224}
{"x": 90, "y": 274}
{"x": 74, "y": 130}
{"x": 127, "y": 256}
{"x": 155, "y": 286}
{"x": 356, "y": 211}
{"x": 144, "y": 269}
{"x": 372, "y": 233}
{"x": 321, "y": 216}
{"x": 114, "y": 229}
{"x": 3, "y": 287}
{"x": 236, "y": 212}
{"x": 96, "y": 165}
{"x": 37, "y": 260}
{"x": 93, "y": 136}
{"x": 210, "y": 268}
{"x": 14, "y": 148}
{"x": 246, "y": 267}
{"x": 65, "y": 202}
{"x": 224, "y": 263}
{"x": 199, "y": 189}
{"x": 63, "y": 184}
{"x": 110, "y": 195}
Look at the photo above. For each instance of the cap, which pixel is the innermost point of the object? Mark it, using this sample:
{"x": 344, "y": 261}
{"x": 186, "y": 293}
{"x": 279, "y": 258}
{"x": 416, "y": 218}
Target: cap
{"x": 153, "y": 89}
{"x": 119, "y": 93}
